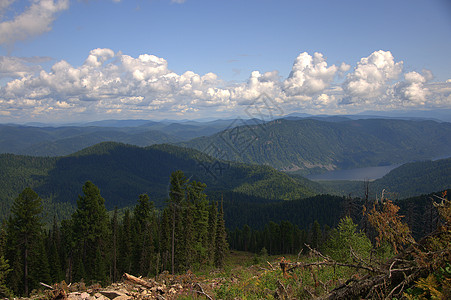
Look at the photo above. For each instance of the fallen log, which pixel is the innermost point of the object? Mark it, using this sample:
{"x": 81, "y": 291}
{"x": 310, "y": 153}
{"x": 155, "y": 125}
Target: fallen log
{"x": 136, "y": 280}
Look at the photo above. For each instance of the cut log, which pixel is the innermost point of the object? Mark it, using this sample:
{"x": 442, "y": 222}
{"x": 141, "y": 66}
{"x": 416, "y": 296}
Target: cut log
{"x": 136, "y": 280}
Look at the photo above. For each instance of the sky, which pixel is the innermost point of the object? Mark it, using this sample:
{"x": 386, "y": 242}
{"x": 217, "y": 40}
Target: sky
{"x": 86, "y": 60}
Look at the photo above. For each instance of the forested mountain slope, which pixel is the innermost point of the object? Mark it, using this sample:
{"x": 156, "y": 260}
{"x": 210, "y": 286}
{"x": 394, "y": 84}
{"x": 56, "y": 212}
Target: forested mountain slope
{"x": 311, "y": 146}
{"x": 122, "y": 172}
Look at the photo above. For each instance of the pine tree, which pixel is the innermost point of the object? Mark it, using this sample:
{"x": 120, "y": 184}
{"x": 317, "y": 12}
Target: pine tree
{"x": 346, "y": 237}
{"x": 165, "y": 237}
{"x": 53, "y": 252}
{"x": 187, "y": 253}
{"x": 40, "y": 272}
{"x": 221, "y": 239}
{"x": 25, "y": 230}
{"x": 114, "y": 245}
{"x": 212, "y": 222}
{"x": 198, "y": 198}
{"x": 316, "y": 235}
{"x": 144, "y": 222}
{"x": 177, "y": 198}
{"x": 125, "y": 248}
{"x": 91, "y": 230}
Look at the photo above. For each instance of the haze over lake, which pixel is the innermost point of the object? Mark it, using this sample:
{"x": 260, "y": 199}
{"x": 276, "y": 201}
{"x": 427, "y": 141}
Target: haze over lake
{"x": 370, "y": 173}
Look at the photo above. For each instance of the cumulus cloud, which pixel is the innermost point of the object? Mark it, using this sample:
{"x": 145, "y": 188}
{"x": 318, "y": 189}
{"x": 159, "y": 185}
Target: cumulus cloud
{"x": 109, "y": 83}
{"x": 370, "y": 78}
{"x": 309, "y": 75}
{"x": 35, "y": 20}
{"x": 13, "y": 67}
{"x": 412, "y": 91}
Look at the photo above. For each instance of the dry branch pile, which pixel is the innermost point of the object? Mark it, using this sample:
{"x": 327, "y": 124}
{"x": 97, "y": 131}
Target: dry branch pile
{"x": 166, "y": 287}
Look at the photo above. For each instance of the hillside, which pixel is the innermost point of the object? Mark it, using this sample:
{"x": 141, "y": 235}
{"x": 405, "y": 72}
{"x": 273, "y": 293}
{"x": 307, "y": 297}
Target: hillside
{"x": 122, "y": 172}
{"x": 309, "y": 146}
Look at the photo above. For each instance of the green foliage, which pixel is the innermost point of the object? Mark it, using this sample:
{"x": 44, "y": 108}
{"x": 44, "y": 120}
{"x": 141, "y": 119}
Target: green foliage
{"x": 345, "y": 238}
{"x": 436, "y": 285}
{"x": 283, "y": 238}
{"x": 241, "y": 209}
{"x": 5, "y": 269}
{"x": 5, "y": 292}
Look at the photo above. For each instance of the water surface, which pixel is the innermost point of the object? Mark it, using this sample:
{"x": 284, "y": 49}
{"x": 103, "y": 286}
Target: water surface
{"x": 368, "y": 173}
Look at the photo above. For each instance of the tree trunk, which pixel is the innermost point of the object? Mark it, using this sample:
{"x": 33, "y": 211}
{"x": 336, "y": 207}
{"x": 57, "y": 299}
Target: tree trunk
{"x": 25, "y": 266}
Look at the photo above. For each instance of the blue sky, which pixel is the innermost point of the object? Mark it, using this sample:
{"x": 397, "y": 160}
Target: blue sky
{"x": 69, "y": 60}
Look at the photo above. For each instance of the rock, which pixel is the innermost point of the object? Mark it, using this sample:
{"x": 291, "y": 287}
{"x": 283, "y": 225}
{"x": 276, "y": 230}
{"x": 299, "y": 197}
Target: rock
{"x": 99, "y": 296}
{"x": 123, "y": 297}
{"x": 79, "y": 296}
{"x": 114, "y": 294}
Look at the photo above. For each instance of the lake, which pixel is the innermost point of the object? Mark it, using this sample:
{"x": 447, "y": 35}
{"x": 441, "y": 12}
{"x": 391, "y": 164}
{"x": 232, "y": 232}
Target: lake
{"x": 369, "y": 173}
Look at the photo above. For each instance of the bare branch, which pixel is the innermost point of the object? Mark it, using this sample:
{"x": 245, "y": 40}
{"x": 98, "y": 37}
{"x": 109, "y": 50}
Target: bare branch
{"x": 202, "y": 292}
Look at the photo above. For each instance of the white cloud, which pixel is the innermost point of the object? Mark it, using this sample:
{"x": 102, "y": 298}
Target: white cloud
{"x": 309, "y": 75}
{"x": 35, "y": 20}
{"x": 371, "y": 76}
{"x": 115, "y": 83}
{"x": 13, "y": 67}
{"x": 412, "y": 90}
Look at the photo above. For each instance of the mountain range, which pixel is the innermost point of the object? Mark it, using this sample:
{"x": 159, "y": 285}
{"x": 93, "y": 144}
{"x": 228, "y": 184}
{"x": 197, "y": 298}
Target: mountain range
{"x": 307, "y": 146}
{"x": 300, "y": 143}
{"x": 264, "y": 161}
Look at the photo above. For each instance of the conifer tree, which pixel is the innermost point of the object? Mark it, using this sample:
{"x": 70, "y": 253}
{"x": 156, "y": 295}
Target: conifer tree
{"x": 187, "y": 250}
{"x": 114, "y": 245}
{"x": 221, "y": 239}
{"x": 197, "y": 196}
{"x": 165, "y": 237}
{"x": 40, "y": 272}
{"x": 125, "y": 248}
{"x": 53, "y": 252}
{"x": 212, "y": 222}
{"x": 177, "y": 198}
{"x": 91, "y": 232}
{"x": 316, "y": 236}
{"x": 144, "y": 222}
{"x": 25, "y": 230}
{"x": 5, "y": 292}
